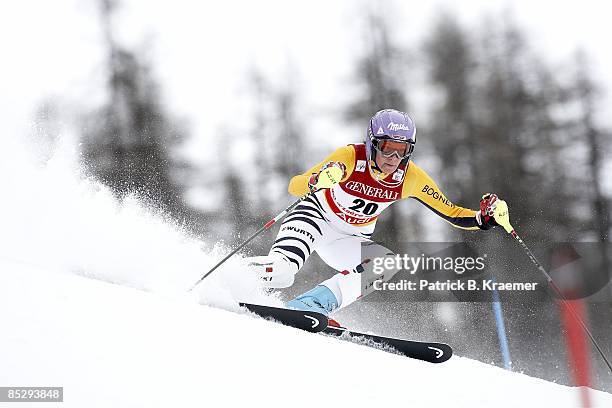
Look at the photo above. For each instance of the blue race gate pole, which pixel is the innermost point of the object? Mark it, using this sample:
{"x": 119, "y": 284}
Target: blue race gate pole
{"x": 501, "y": 330}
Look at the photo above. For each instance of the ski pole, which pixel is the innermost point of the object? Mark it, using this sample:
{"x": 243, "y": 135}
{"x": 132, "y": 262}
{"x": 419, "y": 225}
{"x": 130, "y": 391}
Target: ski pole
{"x": 502, "y": 218}
{"x": 265, "y": 227}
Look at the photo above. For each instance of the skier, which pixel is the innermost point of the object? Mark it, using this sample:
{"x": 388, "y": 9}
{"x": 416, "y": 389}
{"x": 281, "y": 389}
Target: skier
{"x": 350, "y": 189}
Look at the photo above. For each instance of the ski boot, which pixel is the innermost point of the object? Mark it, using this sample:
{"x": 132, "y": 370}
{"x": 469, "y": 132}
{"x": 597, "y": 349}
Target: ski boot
{"x": 319, "y": 299}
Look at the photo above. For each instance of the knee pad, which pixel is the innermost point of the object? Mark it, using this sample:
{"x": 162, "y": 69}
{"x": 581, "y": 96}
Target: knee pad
{"x": 274, "y": 270}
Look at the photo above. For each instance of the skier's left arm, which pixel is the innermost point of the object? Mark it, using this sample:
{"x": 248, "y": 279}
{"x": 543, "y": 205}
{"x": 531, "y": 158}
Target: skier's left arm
{"x": 422, "y": 188}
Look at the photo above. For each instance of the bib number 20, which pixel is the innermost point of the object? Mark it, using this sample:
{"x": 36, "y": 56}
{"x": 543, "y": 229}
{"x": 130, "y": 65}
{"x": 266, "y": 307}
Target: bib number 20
{"x": 360, "y": 205}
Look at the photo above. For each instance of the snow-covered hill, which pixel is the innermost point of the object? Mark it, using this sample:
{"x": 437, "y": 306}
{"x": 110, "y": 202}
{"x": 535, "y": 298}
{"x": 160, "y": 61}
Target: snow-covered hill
{"x": 132, "y": 337}
{"x": 114, "y": 346}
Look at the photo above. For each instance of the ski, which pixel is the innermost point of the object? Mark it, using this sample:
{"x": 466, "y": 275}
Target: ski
{"x": 315, "y": 322}
{"x": 310, "y": 321}
{"x": 426, "y": 351}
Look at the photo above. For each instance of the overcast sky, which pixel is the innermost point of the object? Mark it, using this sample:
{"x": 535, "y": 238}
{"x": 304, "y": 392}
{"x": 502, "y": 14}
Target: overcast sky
{"x": 53, "y": 49}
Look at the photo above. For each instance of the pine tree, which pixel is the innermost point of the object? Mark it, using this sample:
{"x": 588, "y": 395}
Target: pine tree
{"x": 128, "y": 144}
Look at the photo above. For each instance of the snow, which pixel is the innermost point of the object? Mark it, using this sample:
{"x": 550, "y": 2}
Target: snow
{"x": 58, "y": 218}
{"x": 110, "y": 345}
{"x": 93, "y": 297}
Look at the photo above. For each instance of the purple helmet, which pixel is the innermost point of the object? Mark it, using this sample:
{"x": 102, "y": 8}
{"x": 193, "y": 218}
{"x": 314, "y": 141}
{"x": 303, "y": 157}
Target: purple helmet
{"x": 390, "y": 124}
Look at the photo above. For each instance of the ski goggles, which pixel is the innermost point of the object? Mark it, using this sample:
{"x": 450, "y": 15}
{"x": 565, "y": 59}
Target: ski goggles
{"x": 389, "y": 148}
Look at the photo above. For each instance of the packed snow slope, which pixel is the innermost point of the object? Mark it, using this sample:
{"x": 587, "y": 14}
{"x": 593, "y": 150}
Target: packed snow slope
{"x": 132, "y": 337}
{"x": 113, "y": 346}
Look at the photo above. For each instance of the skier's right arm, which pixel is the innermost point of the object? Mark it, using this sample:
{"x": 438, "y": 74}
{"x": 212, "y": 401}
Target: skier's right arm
{"x": 300, "y": 184}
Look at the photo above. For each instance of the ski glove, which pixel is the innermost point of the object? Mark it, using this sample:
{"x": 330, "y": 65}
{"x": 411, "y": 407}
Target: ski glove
{"x": 486, "y": 216}
{"x": 331, "y": 173}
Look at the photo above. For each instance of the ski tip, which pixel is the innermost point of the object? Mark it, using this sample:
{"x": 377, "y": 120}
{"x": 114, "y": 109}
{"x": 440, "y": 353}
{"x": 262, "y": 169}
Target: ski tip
{"x": 440, "y": 352}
